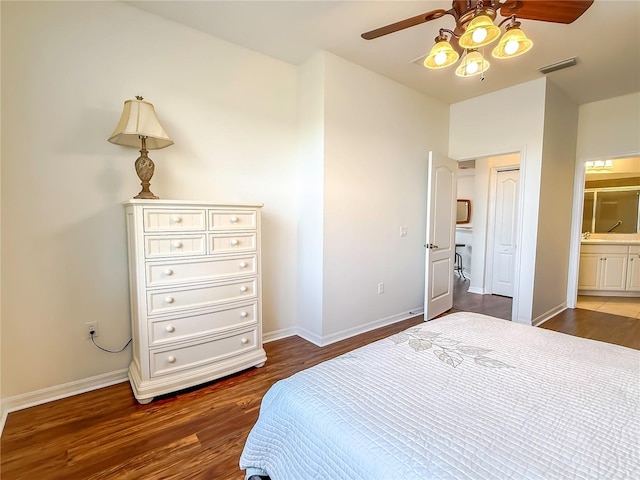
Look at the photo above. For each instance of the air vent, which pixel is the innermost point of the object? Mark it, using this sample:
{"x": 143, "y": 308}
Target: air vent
{"x": 467, "y": 164}
{"x": 569, "y": 62}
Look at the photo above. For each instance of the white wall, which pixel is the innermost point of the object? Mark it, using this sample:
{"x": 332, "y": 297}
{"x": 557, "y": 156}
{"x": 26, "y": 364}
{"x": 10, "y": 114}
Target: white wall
{"x": 556, "y": 203}
{"x": 67, "y": 68}
{"x": 482, "y": 127}
{"x": 609, "y": 128}
{"x": 311, "y": 196}
{"x": 327, "y": 156}
{"x": 377, "y": 137}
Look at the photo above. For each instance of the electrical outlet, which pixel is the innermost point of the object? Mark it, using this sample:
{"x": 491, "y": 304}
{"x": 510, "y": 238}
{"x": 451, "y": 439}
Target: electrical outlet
{"x": 91, "y": 327}
{"x": 381, "y": 287}
{"x": 403, "y": 231}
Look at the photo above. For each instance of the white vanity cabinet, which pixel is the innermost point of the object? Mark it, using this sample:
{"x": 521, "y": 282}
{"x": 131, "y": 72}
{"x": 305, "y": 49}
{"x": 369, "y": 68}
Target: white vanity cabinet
{"x": 608, "y": 268}
{"x": 633, "y": 269}
{"x": 195, "y": 282}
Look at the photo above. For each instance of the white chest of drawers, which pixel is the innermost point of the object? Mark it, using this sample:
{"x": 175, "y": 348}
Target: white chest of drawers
{"x": 194, "y": 276}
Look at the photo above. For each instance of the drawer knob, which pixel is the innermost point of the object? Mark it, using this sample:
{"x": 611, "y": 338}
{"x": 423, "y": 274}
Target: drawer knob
{"x": 244, "y": 340}
{"x": 170, "y": 328}
{"x": 169, "y": 300}
{"x": 244, "y": 314}
{"x": 176, "y": 219}
{"x": 171, "y": 359}
{"x": 243, "y": 288}
{"x": 243, "y": 264}
{"x": 234, "y": 242}
{"x": 168, "y": 272}
{"x": 234, "y": 219}
{"x": 177, "y": 244}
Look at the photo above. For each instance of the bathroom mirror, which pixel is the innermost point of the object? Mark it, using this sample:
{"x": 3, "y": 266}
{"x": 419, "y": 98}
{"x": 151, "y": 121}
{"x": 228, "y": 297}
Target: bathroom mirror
{"x": 463, "y": 211}
{"x": 611, "y": 210}
{"x": 612, "y": 196}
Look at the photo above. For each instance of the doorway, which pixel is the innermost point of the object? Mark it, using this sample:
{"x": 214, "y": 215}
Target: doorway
{"x": 600, "y": 182}
{"x": 483, "y": 222}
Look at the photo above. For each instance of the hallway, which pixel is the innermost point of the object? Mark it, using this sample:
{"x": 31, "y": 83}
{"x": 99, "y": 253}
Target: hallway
{"x": 494, "y": 305}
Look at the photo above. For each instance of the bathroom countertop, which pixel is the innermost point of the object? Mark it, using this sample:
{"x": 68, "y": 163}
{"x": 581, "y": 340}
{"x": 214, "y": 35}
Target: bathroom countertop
{"x": 600, "y": 239}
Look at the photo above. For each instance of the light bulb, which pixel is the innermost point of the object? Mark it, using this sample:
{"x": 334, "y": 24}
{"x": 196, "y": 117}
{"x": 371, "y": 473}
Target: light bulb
{"x": 479, "y": 34}
{"x": 511, "y": 47}
{"x": 472, "y": 68}
{"x": 440, "y": 58}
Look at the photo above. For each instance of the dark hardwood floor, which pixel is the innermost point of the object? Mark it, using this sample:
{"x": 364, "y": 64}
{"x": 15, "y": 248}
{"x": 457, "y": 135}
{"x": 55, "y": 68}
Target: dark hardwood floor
{"x": 199, "y": 433}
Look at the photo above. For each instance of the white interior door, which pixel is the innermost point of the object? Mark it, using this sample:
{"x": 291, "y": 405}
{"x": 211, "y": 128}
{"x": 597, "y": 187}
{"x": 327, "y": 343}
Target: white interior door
{"x": 440, "y": 238}
{"x": 506, "y": 223}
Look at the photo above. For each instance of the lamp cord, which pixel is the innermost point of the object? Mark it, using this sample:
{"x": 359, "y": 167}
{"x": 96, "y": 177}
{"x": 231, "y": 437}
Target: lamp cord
{"x": 106, "y": 349}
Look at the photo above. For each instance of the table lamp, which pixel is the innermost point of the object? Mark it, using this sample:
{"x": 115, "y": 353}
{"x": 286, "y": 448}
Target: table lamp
{"x": 139, "y": 127}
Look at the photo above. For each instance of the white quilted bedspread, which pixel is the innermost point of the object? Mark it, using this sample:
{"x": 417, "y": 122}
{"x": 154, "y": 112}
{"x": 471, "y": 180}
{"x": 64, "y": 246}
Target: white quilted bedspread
{"x": 465, "y": 396}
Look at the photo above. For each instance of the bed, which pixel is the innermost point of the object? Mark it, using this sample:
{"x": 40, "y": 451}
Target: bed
{"x": 465, "y": 396}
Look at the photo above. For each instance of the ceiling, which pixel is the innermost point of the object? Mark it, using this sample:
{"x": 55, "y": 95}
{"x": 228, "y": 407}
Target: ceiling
{"x": 606, "y": 40}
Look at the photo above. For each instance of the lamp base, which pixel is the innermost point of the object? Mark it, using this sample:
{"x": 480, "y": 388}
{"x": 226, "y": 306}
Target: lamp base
{"x": 147, "y": 195}
{"x": 144, "y": 169}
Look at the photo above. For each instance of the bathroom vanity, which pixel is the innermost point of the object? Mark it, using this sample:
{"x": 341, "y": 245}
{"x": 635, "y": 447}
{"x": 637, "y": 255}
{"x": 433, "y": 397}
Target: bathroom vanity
{"x": 610, "y": 265}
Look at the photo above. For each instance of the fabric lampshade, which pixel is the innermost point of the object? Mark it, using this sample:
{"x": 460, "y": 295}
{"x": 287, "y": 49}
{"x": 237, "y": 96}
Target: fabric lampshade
{"x": 139, "y": 120}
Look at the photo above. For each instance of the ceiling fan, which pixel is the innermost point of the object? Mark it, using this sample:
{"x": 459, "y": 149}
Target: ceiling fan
{"x": 475, "y": 28}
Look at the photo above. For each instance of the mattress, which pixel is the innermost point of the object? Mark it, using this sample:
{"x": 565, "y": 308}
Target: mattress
{"x": 464, "y": 396}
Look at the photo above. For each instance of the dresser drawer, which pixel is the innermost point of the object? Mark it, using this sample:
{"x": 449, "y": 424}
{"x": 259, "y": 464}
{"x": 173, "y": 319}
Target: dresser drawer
{"x": 174, "y": 220}
{"x": 232, "y": 220}
{"x": 192, "y": 326}
{"x": 208, "y": 269}
{"x": 240, "y": 242}
{"x": 174, "y": 245}
{"x": 166, "y": 301}
{"x": 173, "y": 360}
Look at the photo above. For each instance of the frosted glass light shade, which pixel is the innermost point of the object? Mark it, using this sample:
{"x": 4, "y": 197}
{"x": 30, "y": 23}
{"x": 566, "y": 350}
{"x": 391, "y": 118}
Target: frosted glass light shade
{"x": 513, "y": 43}
{"x": 139, "y": 120}
{"x": 442, "y": 55}
{"x": 480, "y": 32}
{"x": 472, "y": 64}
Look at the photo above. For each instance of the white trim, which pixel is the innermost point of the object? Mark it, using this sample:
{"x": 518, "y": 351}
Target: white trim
{"x": 279, "y": 334}
{"x": 609, "y": 293}
{"x": 31, "y": 399}
{"x": 540, "y": 319}
{"x": 477, "y": 291}
{"x": 50, "y": 394}
{"x": 323, "y": 341}
{"x": 309, "y": 336}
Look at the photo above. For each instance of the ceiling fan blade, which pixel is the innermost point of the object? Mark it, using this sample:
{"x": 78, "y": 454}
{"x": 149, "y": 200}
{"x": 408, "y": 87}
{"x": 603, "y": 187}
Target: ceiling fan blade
{"x": 566, "y": 11}
{"x": 401, "y": 25}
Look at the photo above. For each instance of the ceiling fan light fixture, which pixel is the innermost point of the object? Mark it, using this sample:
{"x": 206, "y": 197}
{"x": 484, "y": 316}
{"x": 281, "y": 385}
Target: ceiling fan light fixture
{"x": 442, "y": 55}
{"x": 513, "y": 43}
{"x": 472, "y": 64}
{"x": 481, "y": 31}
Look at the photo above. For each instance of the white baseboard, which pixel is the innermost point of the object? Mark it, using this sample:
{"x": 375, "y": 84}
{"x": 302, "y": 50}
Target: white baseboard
{"x": 539, "y": 320}
{"x": 279, "y": 334}
{"x": 476, "y": 290}
{"x": 323, "y": 341}
{"x": 31, "y": 399}
{"x": 608, "y": 293}
{"x": 309, "y": 336}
